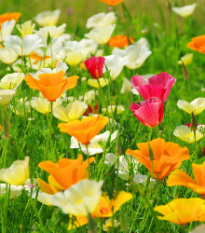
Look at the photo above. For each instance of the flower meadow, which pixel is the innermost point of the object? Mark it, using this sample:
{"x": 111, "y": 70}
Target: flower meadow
{"x": 102, "y": 125}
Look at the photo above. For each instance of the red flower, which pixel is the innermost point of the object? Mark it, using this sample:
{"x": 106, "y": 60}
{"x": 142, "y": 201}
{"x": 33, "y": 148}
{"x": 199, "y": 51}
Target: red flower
{"x": 150, "y": 112}
{"x": 157, "y": 86}
{"x": 90, "y": 110}
{"x": 95, "y": 66}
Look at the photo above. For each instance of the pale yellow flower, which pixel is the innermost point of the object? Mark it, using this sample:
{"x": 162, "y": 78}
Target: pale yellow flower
{"x": 186, "y": 59}
{"x": 17, "y": 173}
{"x": 48, "y": 18}
{"x": 11, "y": 81}
{"x": 95, "y": 83}
{"x": 43, "y": 105}
{"x": 196, "y": 106}
{"x": 109, "y": 224}
{"x": 112, "y": 109}
{"x": 26, "y": 28}
{"x": 185, "y": 134}
{"x": 185, "y": 10}
{"x": 74, "y": 58}
{"x": 8, "y": 55}
{"x": 6, "y": 96}
{"x": 72, "y": 111}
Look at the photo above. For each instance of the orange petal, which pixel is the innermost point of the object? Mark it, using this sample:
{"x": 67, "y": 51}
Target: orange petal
{"x": 45, "y": 187}
{"x": 199, "y": 173}
{"x": 32, "y": 82}
{"x": 51, "y": 80}
{"x": 71, "y": 82}
{"x": 120, "y": 199}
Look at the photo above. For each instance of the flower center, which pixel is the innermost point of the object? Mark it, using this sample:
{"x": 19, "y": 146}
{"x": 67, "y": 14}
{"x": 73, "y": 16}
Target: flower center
{"x": 189, "y": 135}
{"x": 96, "y": 145}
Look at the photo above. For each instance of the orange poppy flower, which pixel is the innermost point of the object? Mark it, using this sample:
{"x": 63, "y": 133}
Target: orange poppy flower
{"x": 9, "y": 16}
{"x": 198, "y": 44}
{"x": 64, "y": 174}
{"x": 179, "y": 177}
{"x": 120, "y": 41}
{"x": 84, "y": 130}
{"x": 37, "y": 58}
{"x": 51, "y": 85}
{"x": 201, "y": 215}
{"x": 0, "y": 128}
{"x": 105, "y": 208}
{"x": 167, "y": 156}
{"x": 111, "y": 2}
{"x": 180, "y": 211}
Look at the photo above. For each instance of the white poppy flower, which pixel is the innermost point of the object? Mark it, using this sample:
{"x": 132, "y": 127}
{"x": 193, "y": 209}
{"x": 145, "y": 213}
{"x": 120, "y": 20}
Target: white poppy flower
{"x": 6, "y": 96}
{"x": 140, "y": 179}
{"x": 42, "y": 197}
{"x": 185, "y": 10}
{"x": 53, "y": 31}
{"x": 15, "y": 191}
{"x": 8, "y": 55}
{"x": 126, "y": 86}
{"x": 94, "y": 147}
{"x": 26, "y": 28}
{"x": 11, "y": 81}
{"x": 6, "y": 29}
{"x": 47, "y": 18}
{"x": 143, "y": 41}
{"x": 24, "y": 46}
{"x": 112, "y": 109}
{"x": 196, "y": 106}
{"x": 90, "y": 45}
{"x": 123, "y": 166}
{"x": 80, "y": 199}
{"x": 109, "y": 224}
{"x": 101, "y": 20}
{"x": 101, "y": 35}
{"x": 115, "y": 64}
{"x": 137, "y": 55}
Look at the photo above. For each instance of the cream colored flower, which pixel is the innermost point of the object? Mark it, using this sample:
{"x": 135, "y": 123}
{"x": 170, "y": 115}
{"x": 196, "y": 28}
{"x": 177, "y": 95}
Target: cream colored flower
{"x": 47, "y": 18}
{"x": 8, "y": 55}
{"x": 99, "y": 53}
{"x": 14, "y": 191}
{"x": 42, "y": 197}
{"x": 101, "y": 20}
{"x": 186, "y": 59}
{"x": 21, "y": 107}
{"x": 140, "y": 179}
{"x": 196, "y": 106}
{"x": 43, "y": 105}
{"x": 137, "y": 55}
{"x": 95, "y": 83}
{"x": 109, "y": 224}
{"x": 184, "y": 11}
{"x": 126, "y": 86}
{"x": 53, "y": 31}
{"x": 90, "y": 45}
{"x": 6, "y": 96}
{"x": 72, "y": 111}
{"x": 6, "y": 29}
{"x": 26, "y": 28}
{"x": 95, "y": 146}
{"x": 11, "y": 81}
{"x": 17, "y": 173}
{"x": 80, "y": 199}
{"x": 101, "y": 35}
{"x": 185, "y": 134}
{"x": 112, "y": 109}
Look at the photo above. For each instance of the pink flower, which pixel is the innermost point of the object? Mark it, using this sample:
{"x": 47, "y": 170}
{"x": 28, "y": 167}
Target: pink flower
{"x": 157, "y": 86}
{"x": 150, "y": 112}
{"x": 95, "y": 66}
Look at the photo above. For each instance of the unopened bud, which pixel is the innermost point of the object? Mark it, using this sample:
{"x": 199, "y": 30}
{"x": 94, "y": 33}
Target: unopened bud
{"x": 118, "y": 145}
{"x": 151, "y": 154}
{"x": 48, "y": 39}
{"x": 193, "y": 123}
{"x": 185, "y": 71}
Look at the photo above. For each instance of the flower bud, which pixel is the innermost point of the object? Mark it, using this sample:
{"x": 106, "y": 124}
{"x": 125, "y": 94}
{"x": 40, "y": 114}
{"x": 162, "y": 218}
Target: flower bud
{"x": 151, "y": 154}
{"x": 193, "y": 123}
{"x": 118, "y": 146}
{"x": 185, "y": 71}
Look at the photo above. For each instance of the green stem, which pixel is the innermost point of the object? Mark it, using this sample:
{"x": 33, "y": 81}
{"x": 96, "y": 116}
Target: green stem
{"x": 195, "y": 144}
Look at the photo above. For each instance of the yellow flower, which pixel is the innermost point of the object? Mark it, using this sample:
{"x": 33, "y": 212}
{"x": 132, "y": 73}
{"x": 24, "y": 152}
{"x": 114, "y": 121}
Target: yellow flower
{"x": 196, "y": 106}
{"x": 48, "y": 18}
{"x": 95, "y": 82}
{"x": 72, "y": 111}
{"x": 186, "y": 59}
{"x": 74, "y": 58}
{"x": 185, "y": 134}
{"x": 11, "y": 81}
{"x": 17, "y": 173}
{"x": 109, "y": 224}
{"x": 6, "y": 96}
{"x": 43, "y": 105}
{"x": 26, "y": 28}
{"x": 112, "y": 108}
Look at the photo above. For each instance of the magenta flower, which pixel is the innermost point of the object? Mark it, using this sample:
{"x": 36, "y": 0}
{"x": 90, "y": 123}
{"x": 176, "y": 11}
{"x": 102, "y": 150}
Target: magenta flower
{"x": 150, "y": 112}
{"x": 95, "y": 66}
{"x": 157, "y": 86}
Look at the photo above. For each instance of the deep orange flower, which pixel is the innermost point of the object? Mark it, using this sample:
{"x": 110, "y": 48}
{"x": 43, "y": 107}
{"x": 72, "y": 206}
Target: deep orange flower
{"x": 179, "y": 177}
{"x": 168, "y": 156}
{"x": 51, "y": 85}
{"x": 84, "y": 130}
{"x": 105, "y": 208}
{"x": 0, "y": 128}
{"x": 9, "y": 16}
{"x": 120, "y": 41}
{"x": 65, "y": 173}
{"x": 37, "y": 58}
{"x": 111, "y": 2}
{"x": 181, "y": 211}
{"x": 198, "y": 44}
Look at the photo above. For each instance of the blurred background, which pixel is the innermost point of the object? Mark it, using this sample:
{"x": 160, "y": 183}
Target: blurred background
{"x": 76, "y": 12}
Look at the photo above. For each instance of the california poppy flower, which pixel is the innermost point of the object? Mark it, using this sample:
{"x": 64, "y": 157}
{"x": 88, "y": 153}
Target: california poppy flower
{"x": 9, "y": 16}
{"x": 198, "y": 44}
{"x": 95, "y": 66}
{"x": 51, "y": 85}
{"x": 105, "y": 208}
{"x": 63, "y": 174}
{"x": 111, "y": 2}
{"x": 150, "y": 113}
{"x": 180, "y": 177}
{"x": 120, "y": 41}
{"x": 37, "y": 58}
{"x": 180, "y": 211}
{"x": 84, "y": 130}
{"x": 168, "y": 156}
